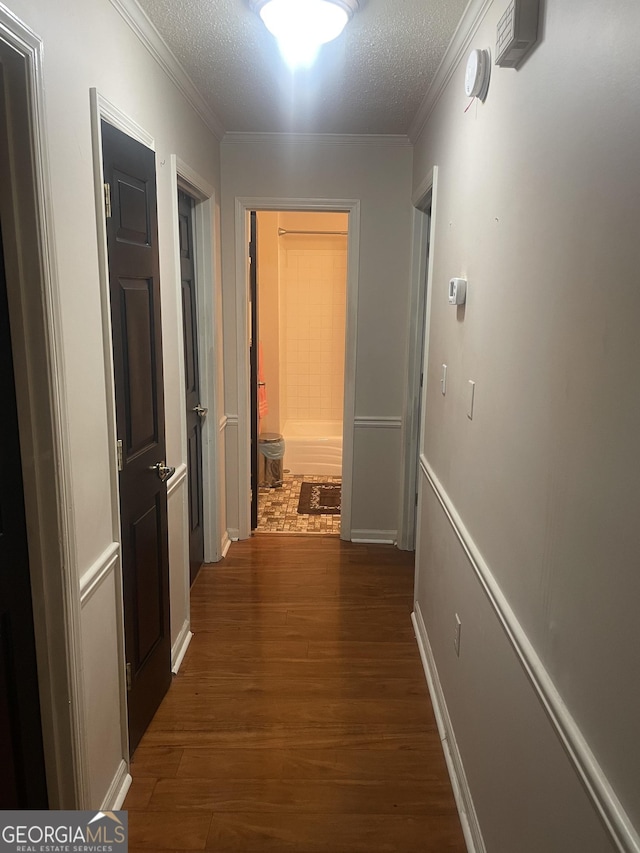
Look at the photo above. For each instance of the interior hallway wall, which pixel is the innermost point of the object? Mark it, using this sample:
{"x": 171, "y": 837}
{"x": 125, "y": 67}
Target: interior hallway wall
{"x": 90, "y": 45}
{"x": 538, "y": 207}
{"x": 378, "y": 173}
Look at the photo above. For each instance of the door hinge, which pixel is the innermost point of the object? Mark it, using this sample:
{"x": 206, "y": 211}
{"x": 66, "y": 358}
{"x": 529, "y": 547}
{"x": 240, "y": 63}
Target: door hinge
{"x": 119, "y": 454}
{"x": 107, "y": 200}
{"x": 416, "y": 499}
{"x": 421, "y": 379}
{"x": 128, "y": 676}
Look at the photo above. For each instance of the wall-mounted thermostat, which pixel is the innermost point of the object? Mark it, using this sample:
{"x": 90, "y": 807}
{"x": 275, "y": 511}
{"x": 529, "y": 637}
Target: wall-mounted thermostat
{"x": 457, "y": 291}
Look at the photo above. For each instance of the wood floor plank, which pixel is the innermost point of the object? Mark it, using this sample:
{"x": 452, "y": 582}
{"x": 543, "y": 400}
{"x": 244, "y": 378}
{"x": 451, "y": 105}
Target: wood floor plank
{"x": 155, "y": 761}
{"x": 300, "y": 721}
{"x": 365, "y": 765}
{"x": 331, "y": 833}
{"x": 203, "y": 662}
{"x": 304, "y": 796}
{"x": 359, "y": 650}
{"x": 140, "y": 791}
{"x": 264, "y": 711}
{"x": 165, "y": 830}
{"x": 344, "y": 687}
{"x": 398, "y": 736}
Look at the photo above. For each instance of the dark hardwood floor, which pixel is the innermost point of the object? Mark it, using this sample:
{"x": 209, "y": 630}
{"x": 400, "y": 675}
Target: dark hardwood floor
{"x": 300, "y": 720}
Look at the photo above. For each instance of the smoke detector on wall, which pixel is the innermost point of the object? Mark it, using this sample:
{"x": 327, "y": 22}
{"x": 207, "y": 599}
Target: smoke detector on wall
{"x": 476, "y": 78}
{"x": 517, "y": 32}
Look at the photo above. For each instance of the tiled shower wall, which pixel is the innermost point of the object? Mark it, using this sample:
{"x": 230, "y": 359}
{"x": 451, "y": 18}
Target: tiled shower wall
{"x": 313, "y": 272}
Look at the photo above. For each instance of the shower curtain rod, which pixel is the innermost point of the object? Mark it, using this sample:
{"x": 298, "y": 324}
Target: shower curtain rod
{"x": 283, "y": 231}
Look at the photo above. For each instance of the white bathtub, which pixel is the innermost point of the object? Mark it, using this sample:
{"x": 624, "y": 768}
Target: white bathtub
{"x": 313, "y": 447}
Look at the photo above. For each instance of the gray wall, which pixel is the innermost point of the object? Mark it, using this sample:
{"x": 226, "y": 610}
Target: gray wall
{"x": 538, "y": 206}
{"x": 379, "y": 175}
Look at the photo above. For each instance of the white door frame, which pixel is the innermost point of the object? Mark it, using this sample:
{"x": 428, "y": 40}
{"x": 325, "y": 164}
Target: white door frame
{"x": 209, "y": 347}
{"x": 33, "y": 291}
{"x": 423, "y": 227}
{"x": 243, "y": 207}
{"x": 102, "y": 109}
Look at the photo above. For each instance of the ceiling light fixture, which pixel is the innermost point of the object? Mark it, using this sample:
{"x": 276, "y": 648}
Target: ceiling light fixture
{"x": 301, "y": 27}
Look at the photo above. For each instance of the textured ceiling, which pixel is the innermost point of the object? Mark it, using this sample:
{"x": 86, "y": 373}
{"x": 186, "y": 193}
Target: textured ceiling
{"x": 371, "y": 80}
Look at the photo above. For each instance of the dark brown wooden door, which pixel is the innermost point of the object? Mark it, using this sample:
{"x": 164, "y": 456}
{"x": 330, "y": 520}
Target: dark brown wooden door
{"x": 253, "y": 361}
{"x": 195, "y": 412}
{"x": 22, "y": 773}
{"x": 132, "y": 236}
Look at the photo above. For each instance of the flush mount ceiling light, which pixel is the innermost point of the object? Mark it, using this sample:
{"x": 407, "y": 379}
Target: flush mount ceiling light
{"x": 301, "y": 27}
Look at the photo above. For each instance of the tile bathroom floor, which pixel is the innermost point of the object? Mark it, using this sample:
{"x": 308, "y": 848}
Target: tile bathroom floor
{"x": 278, "y": 508}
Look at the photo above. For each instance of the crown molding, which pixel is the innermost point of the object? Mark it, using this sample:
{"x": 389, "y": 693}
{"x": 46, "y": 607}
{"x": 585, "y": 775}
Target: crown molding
{"x": 397, "y": 140}
{"x": 458, "y": 46}
{"x": 144, "y": 29}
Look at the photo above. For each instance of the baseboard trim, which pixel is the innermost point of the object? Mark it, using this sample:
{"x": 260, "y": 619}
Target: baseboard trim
{"x": 179, "y": 648}
{"x": 225, "y": 545}
{"x": 118, "y": 789}
{"x": 374, "y": 537}
{"x": 600, "y": 791}
{"x": 461, "y": 790}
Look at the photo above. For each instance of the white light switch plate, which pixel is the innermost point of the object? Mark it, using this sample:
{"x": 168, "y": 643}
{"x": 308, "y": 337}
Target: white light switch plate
{"x": 472, "y": 394}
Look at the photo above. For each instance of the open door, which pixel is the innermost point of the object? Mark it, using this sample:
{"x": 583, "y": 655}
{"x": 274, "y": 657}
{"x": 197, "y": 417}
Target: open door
{"x": 22, "y": 771}
{"x": 253, "y": 363}
{"x": 195, "y": 413}
{"x": 134, "y": 282}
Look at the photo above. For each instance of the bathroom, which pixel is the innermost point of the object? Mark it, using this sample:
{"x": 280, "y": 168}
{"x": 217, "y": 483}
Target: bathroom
{"x": 301, "y": 289}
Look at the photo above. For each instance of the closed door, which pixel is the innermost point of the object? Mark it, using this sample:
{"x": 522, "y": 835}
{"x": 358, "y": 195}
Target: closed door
{"x": 195, "y": 413}
{"x": 22, "y": 773}
{"x": 132, "y": 236}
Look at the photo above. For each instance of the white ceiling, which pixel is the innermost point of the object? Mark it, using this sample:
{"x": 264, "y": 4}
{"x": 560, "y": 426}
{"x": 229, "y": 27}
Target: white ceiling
{"x": 371, "y": 80}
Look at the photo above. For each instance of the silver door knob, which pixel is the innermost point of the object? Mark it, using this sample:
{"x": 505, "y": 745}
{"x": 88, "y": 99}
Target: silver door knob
{"x": 163, "y": 471}
{"x": 200, "y": 410}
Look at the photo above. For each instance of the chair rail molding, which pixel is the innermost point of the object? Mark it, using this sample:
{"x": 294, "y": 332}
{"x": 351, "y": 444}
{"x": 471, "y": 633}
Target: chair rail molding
{"x": 617, "y": 822}
{"x": 377, "y": 422}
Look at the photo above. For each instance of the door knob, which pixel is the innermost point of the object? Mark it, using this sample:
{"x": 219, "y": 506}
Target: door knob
{"x": 200, "y": 410}
{"x": 163, "y": 471}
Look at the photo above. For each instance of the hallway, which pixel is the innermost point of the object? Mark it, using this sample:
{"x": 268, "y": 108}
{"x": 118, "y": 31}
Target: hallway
{"x": 300, "y": 720}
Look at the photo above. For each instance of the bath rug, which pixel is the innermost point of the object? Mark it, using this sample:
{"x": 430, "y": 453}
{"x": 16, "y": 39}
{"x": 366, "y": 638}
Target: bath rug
{"x": 319, "y": 499}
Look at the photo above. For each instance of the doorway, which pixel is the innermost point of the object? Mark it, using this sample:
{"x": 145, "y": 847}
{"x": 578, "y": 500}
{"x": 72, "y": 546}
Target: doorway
{"x": 247, "y": 403}
{"x": 424, "y": 215}
{"x": 195, "y": 412}
{"x": 22, "y": 770}
{"x": 298, "y": 396}
{"x": 39, "y": 374}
